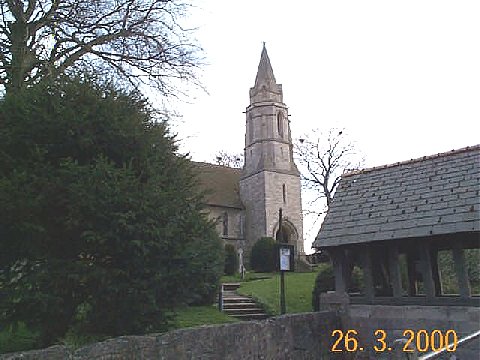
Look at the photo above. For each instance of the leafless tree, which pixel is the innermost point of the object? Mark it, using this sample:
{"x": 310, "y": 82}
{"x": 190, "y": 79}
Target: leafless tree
{"x": 227, "y": 159}
{"x": 323, "y": 157}
{"x": 140, "y": 40}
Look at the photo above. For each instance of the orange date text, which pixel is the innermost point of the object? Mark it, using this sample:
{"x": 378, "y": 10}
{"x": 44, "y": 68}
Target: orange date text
{"x": 415, "y": 340}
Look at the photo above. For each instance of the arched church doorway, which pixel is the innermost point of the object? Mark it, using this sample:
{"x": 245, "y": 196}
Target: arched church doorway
{"x": 288, "y": 235}
{"x": 284, "y": 236}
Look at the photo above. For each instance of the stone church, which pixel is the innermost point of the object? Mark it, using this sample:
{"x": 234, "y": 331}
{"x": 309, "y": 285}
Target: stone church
{"x": 245, "y": 202}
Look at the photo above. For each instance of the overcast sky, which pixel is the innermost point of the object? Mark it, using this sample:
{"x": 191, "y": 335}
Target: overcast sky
{"x": 403, "y": 77}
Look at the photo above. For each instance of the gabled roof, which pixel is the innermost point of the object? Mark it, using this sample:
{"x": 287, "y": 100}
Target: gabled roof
{"x": 221, "y": 184}
{"x": 424, "y": 197}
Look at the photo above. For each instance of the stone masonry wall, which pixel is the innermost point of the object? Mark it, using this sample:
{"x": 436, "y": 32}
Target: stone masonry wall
{"x": 236, "y": 219}
{"x": 299, "y": 336}
{"x": 292, "y": 208}
{"x": 252, "y": 194}
{"x": 394, "y": 320}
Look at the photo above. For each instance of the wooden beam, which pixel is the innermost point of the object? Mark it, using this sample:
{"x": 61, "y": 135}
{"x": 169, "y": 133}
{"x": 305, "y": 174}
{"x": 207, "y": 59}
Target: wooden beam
{"x": 427, "y": 274}
{"x": 412, "y": 274}
{"x": 394, "y": 269}
{"x": 338, "y": 259}
{"x": 367, "y": 272}
{"x": 461, "y": 270}
{"x": 437, "y": 281}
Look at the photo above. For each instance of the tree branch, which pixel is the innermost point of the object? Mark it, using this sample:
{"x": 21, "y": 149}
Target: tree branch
{"x": 323, "y": 159}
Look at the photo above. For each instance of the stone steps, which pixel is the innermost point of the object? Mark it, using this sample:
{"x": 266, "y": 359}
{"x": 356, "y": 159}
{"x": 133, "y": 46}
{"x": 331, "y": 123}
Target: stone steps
{"x": 230, "y": 286}
{"x": 242, "y": 311}
{"x": 237, "y": 298}
{"x": 239, "y": 306}
{"x": 243, "y": 306}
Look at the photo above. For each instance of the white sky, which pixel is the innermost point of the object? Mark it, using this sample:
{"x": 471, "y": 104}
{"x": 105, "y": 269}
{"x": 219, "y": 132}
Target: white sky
{"x": 403, "y": 77}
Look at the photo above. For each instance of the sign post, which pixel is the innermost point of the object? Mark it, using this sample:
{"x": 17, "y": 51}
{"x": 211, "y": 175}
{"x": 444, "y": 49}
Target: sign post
{"x": 283, "y": 308}
{"x": 285, "y": 254}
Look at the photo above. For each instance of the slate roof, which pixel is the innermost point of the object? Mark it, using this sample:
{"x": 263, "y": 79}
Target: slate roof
{"x": 433, "y": 195}
{"x": 221, "y": 184}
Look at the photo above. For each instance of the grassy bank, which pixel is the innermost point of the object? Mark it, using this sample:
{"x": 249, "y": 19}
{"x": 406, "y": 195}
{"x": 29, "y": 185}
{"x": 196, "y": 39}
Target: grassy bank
{"x": 201, "y": 315}
{"x": 298, "y": 292}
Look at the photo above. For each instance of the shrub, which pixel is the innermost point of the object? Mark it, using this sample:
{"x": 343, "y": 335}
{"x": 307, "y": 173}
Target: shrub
{"x": 324, "y": 282}
{"x": 204, "y": 262}
{"x": 262, "y": 258}
{"x": 231, "y": 261}
{"x": 101, "y": 223}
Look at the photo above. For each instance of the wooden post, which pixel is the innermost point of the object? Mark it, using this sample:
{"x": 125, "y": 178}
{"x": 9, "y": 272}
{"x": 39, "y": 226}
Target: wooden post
{"x": 394, "y": 268}
{"x": 367, "y": 273}
{"x": 461, "y": 270}
{"x": 283, "y": 308}
{"x": 412, "y": 273}
{"x": 436, "y": 272}
{"x": 220, "y": 298}
{"x": 338, "y": 258}
{"x": 427, "y": 270}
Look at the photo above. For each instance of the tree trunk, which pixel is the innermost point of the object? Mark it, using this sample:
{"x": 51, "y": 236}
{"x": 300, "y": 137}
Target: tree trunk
{"x": 20, "y": 56}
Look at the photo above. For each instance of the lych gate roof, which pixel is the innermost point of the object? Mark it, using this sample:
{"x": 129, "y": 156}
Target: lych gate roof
{"x": 429, "y": 196}
{"x": 221, "y": 184}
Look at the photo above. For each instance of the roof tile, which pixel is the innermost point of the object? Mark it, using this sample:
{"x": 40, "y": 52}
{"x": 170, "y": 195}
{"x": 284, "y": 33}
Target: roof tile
{"x": 221, "y": 184}
{"x": 432, "y": 195}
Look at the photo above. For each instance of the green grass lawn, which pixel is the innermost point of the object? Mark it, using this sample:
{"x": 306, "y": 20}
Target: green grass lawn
{"x": 262, "y": 286}
{"x": 298, "y": 292}
{"x": 201, "y": 315}
{"x": 249, "y": 276}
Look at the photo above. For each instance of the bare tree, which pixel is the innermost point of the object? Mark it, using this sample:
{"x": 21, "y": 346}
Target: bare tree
{"x": 323, "y": 158}
{"x": 140, "y": 40}
{"x": 227, "y": 159}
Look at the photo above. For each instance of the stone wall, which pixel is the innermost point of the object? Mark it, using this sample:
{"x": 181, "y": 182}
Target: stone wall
{"x": 252, "y": 194}
{"x": 235, "y": 223}
{"x": 394, "y": 320}
{"x": 292, "y": 208}
{"x": 299, "y": 336}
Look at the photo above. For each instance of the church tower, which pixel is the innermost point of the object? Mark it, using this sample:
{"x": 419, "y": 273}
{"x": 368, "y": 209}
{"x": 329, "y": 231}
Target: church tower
{"x": 270, "y": 179}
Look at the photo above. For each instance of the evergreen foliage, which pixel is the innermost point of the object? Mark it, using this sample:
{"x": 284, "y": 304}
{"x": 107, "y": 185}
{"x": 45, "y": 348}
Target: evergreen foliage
{"x": 262, "y": 258}
{"x": 324, "y": 282}
{"x": 101, "y": 228}
{"x": 231, "y": 261}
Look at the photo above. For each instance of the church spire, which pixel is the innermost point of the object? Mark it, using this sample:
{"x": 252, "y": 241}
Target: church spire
{"x": 270, "y": 178}
{"x": 266, "y": 87}
{"x": 265, "y": 71}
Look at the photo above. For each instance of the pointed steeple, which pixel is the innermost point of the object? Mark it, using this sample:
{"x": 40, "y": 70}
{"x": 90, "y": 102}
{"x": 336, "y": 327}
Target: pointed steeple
{"x": 266, "y": 87}
{"x": 265, "y": 71}
{"x": 269, "y": 177}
